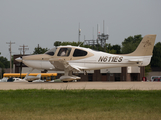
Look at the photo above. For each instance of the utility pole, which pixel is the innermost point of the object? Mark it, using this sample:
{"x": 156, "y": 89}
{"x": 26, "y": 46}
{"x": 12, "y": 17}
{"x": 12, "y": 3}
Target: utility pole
{"x": 23, "y": 49}
{"x": 10, "y": 43}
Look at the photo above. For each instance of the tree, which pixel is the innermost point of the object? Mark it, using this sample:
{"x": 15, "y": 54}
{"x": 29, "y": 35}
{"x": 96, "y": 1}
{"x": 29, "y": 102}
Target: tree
{"x": 71, "y": 43}
{"x": 57, "y": 43}
{"x": 4, "y": 63}
{"x": 131, "y": 43}
{"x": 117, "y": 48}
{"x": 2, "y": 72}
{"x": 147, "y": 69}
{"x": 113, "y": 49}
{"x": 39, "y": 50}
{"x": 156, "y": 58}
{"x": 1, "y": 65}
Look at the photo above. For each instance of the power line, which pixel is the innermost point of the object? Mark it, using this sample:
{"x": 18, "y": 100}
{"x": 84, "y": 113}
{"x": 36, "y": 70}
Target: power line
{"x": 24, "y": 48}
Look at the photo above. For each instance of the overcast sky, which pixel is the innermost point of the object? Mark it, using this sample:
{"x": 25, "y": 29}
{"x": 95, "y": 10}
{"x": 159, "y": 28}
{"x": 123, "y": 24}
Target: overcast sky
{"x": 33, "y": 22}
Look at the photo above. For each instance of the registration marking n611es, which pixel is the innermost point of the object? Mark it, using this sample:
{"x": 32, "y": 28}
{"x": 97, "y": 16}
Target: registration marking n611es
{"x": 110, "y": 59}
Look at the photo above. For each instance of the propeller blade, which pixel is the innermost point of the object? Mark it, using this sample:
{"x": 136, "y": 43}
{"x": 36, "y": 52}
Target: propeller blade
{"x": 19, "y": 59}
{"x": 20, "y": 69}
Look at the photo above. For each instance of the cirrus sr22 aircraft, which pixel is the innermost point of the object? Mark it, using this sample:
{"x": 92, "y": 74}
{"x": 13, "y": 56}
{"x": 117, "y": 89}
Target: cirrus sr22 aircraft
{"x": 75, "y": 59}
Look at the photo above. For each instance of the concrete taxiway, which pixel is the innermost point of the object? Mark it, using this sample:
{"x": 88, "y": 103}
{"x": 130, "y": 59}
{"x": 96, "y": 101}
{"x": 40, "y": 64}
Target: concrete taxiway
{"x": 82, "y": 85}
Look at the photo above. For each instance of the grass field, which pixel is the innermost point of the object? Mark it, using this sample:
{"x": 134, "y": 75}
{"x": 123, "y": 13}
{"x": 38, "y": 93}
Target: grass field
{"x": 80, "y": 105}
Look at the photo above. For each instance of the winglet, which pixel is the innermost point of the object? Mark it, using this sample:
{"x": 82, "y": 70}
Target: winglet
{"x": 145, "y": 48}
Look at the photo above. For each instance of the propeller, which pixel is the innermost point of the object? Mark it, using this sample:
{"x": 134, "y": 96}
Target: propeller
{"x": 20, "y": 68}
{"x": 19, "y": 59}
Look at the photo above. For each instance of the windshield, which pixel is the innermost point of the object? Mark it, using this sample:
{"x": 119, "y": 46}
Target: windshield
{"x": 51, "y": 52}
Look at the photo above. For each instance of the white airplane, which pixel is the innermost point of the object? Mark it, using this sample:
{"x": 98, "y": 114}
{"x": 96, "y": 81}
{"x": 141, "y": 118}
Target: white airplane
{"x": 19, "y": 80}
{"x": 76, "y": 59}
{"x": 29, "y": 79}
{"x": 4, "y": 79}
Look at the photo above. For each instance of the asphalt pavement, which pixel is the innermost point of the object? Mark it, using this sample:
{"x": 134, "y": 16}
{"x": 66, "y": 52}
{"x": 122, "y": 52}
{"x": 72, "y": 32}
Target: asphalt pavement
{"x": 82, "y": 85}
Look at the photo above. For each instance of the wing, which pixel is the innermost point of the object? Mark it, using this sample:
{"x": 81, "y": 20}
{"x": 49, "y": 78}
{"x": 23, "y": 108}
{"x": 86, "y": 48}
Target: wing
{"x": 60, "y": 63}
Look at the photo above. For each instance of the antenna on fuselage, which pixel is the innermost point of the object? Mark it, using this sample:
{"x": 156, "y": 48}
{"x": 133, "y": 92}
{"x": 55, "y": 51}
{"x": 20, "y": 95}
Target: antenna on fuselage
{"x": 79, "y": 33}
{"x": 81, "y": 43}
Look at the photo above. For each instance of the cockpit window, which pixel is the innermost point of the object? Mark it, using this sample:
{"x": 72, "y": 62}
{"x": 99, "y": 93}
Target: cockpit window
{"x": 79, "y": 53}
{"x": 64, "y": 52}
{"x": 51, "y": 52}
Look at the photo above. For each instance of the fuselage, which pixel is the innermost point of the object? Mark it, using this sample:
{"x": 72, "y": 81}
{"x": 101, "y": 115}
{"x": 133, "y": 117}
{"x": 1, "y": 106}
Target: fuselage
{"x": 84, "y": 58}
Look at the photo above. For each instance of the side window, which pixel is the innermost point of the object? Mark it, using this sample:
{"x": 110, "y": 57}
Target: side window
{"x": 64, "y": 52}
{"x": 79, "y": 53}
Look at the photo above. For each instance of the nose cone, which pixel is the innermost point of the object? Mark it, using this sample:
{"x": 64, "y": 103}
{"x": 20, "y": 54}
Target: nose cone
{"x": 19, "y": 59}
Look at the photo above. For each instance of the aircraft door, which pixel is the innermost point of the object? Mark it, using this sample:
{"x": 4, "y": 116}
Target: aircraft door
{"x": 64, "y": 52}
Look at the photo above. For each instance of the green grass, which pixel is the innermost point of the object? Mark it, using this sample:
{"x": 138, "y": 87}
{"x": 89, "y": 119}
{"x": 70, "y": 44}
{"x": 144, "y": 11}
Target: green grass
{"x": 80, "y": 105}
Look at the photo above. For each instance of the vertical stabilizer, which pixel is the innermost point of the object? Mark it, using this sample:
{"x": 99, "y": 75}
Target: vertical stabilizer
{"x": 145, "y": 48}
{"x": 39, "y": 76}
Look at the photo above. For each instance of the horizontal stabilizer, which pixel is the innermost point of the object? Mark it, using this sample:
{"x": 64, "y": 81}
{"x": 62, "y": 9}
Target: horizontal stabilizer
{"x": 135, "y": 60}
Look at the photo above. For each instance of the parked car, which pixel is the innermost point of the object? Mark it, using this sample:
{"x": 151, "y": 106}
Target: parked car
{"x": 157, "y": 79}
{"x": 10, "y": 79}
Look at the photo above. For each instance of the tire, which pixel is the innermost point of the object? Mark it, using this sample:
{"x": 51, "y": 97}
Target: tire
{"x": 65, "y": 81}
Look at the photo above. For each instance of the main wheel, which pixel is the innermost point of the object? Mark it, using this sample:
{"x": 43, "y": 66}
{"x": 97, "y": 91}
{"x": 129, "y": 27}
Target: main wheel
{"x": 65, "y": 81}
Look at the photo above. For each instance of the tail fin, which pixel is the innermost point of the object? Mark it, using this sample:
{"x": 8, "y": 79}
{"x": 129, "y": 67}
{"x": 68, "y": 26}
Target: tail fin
{"x": 145, "y": 48}
{"x": 39, "y": 76}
